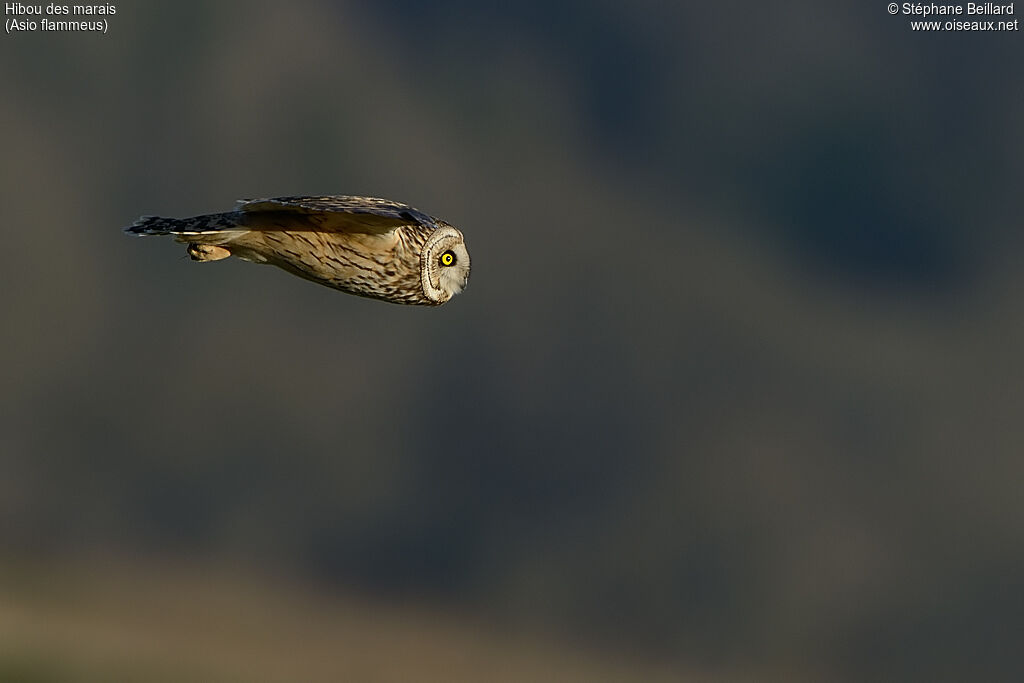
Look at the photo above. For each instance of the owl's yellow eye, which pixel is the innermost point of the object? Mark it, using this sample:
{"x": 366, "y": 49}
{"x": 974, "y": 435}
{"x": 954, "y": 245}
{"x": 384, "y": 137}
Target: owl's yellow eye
{"x": 447, "y": 258}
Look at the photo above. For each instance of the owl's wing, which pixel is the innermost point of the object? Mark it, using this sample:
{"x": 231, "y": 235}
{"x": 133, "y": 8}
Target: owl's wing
{"x": 329, "y": 214}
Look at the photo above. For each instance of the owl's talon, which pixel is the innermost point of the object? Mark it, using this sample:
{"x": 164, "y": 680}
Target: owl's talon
{"x": 206, "y": 252}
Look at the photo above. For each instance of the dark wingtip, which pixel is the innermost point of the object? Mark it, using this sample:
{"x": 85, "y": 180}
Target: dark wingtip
{"x": 142, "y": 226}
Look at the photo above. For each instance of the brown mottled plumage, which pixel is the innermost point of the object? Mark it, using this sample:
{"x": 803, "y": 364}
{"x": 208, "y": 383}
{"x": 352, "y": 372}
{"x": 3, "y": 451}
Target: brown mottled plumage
{"x": 370, "y": 247}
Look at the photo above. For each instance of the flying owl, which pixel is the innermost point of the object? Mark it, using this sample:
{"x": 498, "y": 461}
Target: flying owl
{"x": 365, "y": 246}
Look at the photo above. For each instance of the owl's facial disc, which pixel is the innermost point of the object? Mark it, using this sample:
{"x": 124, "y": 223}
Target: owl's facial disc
{"x": 444, "y": 264}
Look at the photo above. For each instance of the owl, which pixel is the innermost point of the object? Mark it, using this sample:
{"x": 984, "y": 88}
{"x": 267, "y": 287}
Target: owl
{"x": 365, "y": 246}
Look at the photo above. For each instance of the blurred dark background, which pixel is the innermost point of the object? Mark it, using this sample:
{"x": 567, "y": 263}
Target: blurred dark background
{"x": 735, "y": 392}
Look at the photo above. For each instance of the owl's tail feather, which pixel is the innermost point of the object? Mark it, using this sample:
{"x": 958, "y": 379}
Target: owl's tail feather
{"x": 223, "y": 224}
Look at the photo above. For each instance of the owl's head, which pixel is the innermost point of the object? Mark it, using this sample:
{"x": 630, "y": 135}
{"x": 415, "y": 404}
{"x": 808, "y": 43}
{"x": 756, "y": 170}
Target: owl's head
{"x": 444, "y": 264}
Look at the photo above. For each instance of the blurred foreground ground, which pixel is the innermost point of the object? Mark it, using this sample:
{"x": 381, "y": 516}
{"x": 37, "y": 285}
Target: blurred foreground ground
{"x": 154, "y": 622}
